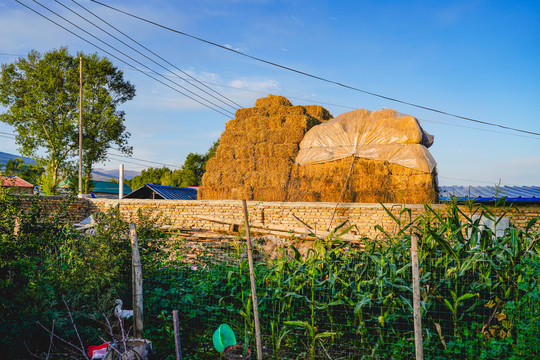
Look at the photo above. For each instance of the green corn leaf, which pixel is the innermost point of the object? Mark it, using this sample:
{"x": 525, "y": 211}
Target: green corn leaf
{"x": 531, "y": 223}
{"x": 304, "y": 324}
{"x": 336, "y": 302}
{"x": 361, "y": 304}
{"x": 465, "y": 297}
{"x": 448, "y": 305}
{"x": 444, "y": 244}
{"x": 469, "y": 263}
{"x": 403, "y": 269}
{"x": 396, "y": 220}
{"x": 297, "y": 255}
{"x": 325, "y": 335}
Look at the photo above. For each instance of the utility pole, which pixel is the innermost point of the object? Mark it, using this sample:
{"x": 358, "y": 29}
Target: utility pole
{"x": 80, "y": 126}
{"x": 121, "y": 182}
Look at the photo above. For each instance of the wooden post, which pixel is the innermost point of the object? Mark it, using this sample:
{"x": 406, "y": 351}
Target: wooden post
{"x": 17, "y": 226}
{"x": 80, "y": 126}
{"x": 177, "y": 335}
{"x": 416, "y": 299}
{"x": 253, "y": 285}
{"x": 121, "y": 182}
{"x": 137, "y": 283}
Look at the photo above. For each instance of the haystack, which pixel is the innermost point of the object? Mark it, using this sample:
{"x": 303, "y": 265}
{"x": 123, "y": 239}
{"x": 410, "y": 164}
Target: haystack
{"x": 367, "y": 156}
{"x": 257, "y": 151}
{"x": 279, "y": 152}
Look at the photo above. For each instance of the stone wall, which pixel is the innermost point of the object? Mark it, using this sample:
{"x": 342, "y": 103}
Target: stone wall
{"x": 78, "y": 209}
{"x": 186, "y": 214}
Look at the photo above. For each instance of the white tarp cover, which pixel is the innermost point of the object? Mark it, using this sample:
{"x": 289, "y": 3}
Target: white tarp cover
{"x": 379, "y": 135}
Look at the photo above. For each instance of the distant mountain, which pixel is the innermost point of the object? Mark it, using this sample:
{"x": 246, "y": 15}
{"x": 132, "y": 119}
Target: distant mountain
{"x": 106, "y": 175}
{"x": 5, "y": 157}
{"x": 97, "y": 174}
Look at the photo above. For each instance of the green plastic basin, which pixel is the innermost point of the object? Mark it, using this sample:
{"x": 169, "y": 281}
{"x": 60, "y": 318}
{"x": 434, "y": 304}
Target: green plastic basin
{"x": 223, "y": 337}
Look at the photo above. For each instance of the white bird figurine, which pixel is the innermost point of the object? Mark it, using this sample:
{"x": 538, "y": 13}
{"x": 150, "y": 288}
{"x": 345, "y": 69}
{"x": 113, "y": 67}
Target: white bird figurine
{"x": 122, "y": 314}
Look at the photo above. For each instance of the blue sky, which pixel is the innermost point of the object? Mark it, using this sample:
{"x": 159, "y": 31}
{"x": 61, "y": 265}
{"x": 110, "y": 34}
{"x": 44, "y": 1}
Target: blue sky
{"x": 478, "y": 59}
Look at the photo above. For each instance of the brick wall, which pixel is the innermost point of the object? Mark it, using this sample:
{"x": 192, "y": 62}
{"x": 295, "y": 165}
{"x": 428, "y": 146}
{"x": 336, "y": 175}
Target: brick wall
{"x": 184, "y": 214}
{"x": 78, "y": 209}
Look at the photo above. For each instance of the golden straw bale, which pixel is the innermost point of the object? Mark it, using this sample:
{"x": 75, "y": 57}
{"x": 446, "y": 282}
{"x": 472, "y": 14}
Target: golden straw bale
{"x": 288, "y": 150}
{"x": 318, "y": 112}
{"x": 370, "y": 181}
{"x": 242, "y": 114}
{"x": 255, "y": 161}
{"x": 235, "y": 126}
{"x": 263, "y": 150}
{"x": 272, "y": 101}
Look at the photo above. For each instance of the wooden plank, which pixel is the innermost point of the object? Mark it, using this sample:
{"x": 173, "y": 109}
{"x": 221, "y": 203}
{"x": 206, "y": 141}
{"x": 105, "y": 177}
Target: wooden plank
{"x": 274, "y": 229}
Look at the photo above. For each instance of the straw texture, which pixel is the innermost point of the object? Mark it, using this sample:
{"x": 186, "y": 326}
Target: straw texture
{"x": 256, "y": 161}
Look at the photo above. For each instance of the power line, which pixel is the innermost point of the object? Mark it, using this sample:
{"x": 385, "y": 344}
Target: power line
{"x": 116, "y": 57}
{"x": 5, "y": 54}
{"x": 147, "y": 49}
{"x": 138, "y": 62}
{"x": 479, "y": 181}
{"x": 13, "y": 136}
{"x": 475, "y": 128}
{"x": 134, "y": 163}
{"x": 9, "y": 134}
{"x": 148, "y": 161}
{"x": 147, "y": 57}
{"x": 318, "y": 77}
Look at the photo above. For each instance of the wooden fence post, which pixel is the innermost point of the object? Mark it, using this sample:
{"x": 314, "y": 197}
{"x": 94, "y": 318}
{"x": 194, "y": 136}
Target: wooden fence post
{"x": 253, "y": 285}
{"x": 137, "y": 278}
{"x": 177, "y": 335}
{"x": 417, "y": 311}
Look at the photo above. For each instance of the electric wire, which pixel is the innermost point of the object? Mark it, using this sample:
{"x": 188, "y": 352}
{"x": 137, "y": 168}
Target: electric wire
{"x": 148, "y": 161}
{"x": 147, "y": 57}
{"x": 475, "y": 128}
{"x": 12, "y": 136}
{"x": 133, "y": 163}
{"x": 131, "y": 58}
{"x": 6, "y": 54}
{"x": 119, "y": 59}
{"x": 315, "y": 76}
{"x": 9, "y": 134}
{"x": 169, "y": 63}
{"x": 478, "y": 181}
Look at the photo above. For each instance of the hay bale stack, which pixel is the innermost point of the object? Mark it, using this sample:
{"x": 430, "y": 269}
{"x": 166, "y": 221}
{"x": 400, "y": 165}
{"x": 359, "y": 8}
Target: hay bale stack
{"x": 257, "y": 151}
{"x": 391, "y": 160}
{"x": 256, "y": 156}
{"x": 370, "y": 181}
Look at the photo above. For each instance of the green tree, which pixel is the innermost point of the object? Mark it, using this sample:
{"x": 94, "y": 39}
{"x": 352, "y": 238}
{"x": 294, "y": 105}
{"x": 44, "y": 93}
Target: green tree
{"x": 149, "y": 176}
{"x": 195, "y": 166}
{"x": 41, "y": 95}
{"x": 190, "y": 174}
{"x": 31, "y": 172}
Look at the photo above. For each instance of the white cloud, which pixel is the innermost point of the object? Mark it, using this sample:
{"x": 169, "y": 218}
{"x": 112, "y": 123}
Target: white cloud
{"x": 261, "y": 85}
{"x": 236, "y": 48}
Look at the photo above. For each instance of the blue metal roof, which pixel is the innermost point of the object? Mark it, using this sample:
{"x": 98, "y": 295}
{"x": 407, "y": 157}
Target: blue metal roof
{"x": 108, "y": 187}
{"x": 173, "y": 192}
{"x": 153, "y": 191}
{"x": 491, "y": 193}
